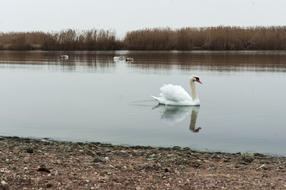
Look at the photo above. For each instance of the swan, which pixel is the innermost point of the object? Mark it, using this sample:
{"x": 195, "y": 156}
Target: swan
{"x": 178, "y": 96}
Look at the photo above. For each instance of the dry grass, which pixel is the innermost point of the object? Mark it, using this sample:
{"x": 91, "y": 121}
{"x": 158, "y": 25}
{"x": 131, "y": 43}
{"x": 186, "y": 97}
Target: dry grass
{"x": 64, "y": 40}
{"x": 207, "y": 38}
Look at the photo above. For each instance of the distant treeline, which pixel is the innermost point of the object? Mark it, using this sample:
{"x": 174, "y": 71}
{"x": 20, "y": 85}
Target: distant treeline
{"x": 206, "y": 38}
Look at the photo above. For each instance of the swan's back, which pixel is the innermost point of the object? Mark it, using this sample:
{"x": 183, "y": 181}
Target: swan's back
{"x": 174, "y": 93}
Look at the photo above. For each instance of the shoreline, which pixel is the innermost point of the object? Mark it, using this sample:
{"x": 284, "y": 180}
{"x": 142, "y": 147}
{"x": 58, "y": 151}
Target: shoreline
{"x": 127, "y": 146}
{"x": 154, "y": 51}
{"x": 35, "y": 163}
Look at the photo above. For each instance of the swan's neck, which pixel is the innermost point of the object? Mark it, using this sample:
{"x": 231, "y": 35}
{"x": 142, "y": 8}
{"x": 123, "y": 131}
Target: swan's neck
{"x": 193, "y": 90}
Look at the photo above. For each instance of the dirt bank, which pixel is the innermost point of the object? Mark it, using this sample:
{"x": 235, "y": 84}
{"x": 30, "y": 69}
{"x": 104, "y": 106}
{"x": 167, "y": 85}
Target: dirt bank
{"x": 41, "y": 164}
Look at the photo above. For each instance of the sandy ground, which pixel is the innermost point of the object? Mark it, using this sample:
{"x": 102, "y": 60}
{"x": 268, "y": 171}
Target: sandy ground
{"x": 43, "y": 164}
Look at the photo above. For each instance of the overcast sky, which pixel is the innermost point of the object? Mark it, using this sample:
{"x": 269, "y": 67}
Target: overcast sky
{"x": 125, "y": 15}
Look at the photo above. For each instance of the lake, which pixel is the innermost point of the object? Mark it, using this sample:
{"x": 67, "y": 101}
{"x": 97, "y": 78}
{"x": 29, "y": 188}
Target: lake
{"x": 89, "y": 97}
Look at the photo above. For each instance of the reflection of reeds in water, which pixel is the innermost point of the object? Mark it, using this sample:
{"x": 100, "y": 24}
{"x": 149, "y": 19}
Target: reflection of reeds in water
{"x": 162, "y": 61}
{"x": 77, "y": 60}
{"x": 218, "y": 61}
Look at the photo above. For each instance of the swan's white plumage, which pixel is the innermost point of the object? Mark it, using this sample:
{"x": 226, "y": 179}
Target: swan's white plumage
{"x": 174, "y": 93}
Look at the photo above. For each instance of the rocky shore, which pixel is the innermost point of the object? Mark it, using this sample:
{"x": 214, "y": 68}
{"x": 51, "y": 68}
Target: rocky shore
{"x": 45, "y": 164}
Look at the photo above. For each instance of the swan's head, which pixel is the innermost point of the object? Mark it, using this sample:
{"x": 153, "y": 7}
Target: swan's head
{"x": 196, "y": 79}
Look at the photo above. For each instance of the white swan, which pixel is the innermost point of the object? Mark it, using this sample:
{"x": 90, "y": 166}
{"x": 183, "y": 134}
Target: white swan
{"x": 177, "y": 95}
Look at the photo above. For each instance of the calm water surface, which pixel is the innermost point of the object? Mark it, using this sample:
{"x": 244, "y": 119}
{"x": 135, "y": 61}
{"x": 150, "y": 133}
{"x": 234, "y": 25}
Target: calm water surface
{"x": 91, "y": 98}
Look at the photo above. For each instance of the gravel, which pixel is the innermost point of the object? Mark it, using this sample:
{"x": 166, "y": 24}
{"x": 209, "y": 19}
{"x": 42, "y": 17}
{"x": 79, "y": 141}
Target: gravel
{"x": 44, "y": 164}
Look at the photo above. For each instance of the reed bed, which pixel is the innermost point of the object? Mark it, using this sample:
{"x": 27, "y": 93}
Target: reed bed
{"x": 204, "y": 38}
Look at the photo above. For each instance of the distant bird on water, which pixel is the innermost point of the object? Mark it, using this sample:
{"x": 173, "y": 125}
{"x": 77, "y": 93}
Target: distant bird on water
{"x": 65, "y": 57}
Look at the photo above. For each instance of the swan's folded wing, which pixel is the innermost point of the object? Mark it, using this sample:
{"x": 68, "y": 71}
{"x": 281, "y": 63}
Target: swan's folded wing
{"x": 174, "y": 93}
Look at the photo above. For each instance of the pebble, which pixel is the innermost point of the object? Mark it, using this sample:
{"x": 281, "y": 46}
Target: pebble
{"x": 123, "y": 153}
{"x": 177, "y": 148}
{"x": 3, "y": 182}
{"x": 99, "y": 159}
{"x": 166, "y": 170}
{"x": 263, "y": 166}
{"x": 247, "y": 159}
{"x": 43, "y": 168}
{"x": 4, "y": 185}
{"x": 30, "y": 150}
{"x": 49, "y": 185}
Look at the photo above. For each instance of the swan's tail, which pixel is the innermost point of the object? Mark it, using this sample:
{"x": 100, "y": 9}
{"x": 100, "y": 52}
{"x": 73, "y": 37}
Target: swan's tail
{"x": 156, "y": 98}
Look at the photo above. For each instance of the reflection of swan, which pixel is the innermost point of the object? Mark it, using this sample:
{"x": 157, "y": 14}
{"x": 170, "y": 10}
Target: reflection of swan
{"x": 193, "y": 121}
{"x": 177, "y": 95}
{"x": 176, "y": 114}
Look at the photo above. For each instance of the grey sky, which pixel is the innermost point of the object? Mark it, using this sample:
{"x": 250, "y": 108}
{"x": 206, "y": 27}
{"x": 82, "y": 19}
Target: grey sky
{"x": 124, "y": 15}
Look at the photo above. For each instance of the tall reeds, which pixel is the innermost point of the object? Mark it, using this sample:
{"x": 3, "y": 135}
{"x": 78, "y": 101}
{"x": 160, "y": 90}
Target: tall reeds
{"x": 64, "y": 40}
{"x": 206, "y": 38}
